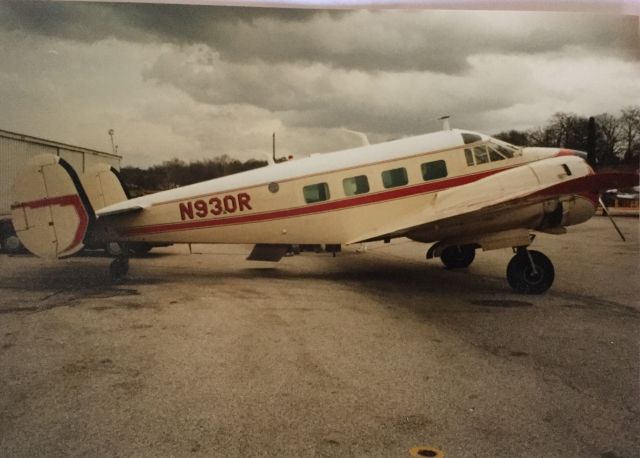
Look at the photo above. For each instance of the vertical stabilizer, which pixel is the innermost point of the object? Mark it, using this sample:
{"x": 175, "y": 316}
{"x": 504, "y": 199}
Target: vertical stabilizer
{"x": 103, "y": 186}
{"x": 50, "y": 212}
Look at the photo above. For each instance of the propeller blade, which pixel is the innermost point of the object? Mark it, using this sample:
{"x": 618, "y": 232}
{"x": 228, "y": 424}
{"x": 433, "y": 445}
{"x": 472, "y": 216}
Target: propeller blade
{"x": 606, "y": 212}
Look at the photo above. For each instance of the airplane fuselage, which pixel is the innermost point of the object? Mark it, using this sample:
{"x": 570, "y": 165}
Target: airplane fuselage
{"x": 334, "y": 198}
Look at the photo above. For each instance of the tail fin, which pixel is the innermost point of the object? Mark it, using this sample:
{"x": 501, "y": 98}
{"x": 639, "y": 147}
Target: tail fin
{"x": 103, "y": 186}
{"x": 51, "y": 212}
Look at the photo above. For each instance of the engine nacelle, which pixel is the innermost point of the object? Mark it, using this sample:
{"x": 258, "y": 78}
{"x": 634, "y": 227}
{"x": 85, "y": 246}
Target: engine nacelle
{"x": 578, "y": 210}
{"x": 570, "y": 212}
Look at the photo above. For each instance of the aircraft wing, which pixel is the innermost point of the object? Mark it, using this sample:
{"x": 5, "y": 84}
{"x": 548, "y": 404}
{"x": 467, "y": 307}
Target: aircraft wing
{"x": 557, "y": 178}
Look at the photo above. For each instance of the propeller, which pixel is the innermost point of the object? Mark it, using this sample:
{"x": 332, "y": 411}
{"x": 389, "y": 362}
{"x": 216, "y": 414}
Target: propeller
{"x": 606, "y": 212}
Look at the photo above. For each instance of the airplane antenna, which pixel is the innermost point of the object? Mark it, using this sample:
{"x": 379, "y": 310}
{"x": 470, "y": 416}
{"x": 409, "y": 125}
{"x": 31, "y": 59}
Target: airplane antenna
{"x": 445, "y": 122}
{"x": 277, "y": 160}
{"x": 273, "y": 147}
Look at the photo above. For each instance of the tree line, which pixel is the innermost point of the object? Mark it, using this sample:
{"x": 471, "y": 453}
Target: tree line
{"x": 609, "y": 140}
{"x": 176, "y": 173}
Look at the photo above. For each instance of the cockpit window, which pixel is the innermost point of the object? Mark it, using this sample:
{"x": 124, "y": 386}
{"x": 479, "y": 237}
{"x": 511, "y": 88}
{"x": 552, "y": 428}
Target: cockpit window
{"x": 509, "y": 152}
{"x": 491, "y": 151}
{"x": 504, "y": 148}
{"x": 480, "y": 153}
{"x": 495, "y": 155}
{"x": 469, "y": 155}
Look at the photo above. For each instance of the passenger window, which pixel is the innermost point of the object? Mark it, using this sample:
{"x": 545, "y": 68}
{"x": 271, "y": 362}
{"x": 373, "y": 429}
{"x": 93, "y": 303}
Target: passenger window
{"x": 316, "y": 192}
{"x": 469, "y": 155}
{"x": 355, "y": 185}
{"x": 480, "y": 153}
{"x": 434, "y": 170}
{"x": 395, "y": 177}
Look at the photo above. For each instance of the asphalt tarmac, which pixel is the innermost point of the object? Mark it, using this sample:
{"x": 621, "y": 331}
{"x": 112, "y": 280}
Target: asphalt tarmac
{"x": 367, "y": 354}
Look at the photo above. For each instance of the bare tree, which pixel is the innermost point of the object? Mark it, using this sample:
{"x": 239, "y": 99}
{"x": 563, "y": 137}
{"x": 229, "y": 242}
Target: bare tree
{"x": 609, "y": 139}
{"x": 608, "y": 128}
{"x": 539, "y": 137}
{"x": 630, "y": 133}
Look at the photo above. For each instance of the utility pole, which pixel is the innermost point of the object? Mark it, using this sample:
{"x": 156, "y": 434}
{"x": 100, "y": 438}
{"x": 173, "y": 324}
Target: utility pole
{"x": 114, "y": 147}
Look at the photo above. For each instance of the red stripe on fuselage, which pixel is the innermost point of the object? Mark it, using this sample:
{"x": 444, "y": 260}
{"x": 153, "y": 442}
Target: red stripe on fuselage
{"x": 63, "y": 201}
{"x": 423, "y": 188}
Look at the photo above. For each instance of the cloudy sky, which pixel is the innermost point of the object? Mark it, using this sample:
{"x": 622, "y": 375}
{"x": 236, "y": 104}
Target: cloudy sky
{"x": 200, "y": 81}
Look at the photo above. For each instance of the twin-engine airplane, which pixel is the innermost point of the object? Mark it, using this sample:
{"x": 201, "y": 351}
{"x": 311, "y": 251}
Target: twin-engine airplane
{"x": 457, "y": 188}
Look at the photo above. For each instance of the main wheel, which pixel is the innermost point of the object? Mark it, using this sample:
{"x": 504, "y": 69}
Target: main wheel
{"x": 458, "y": 257}
{"x": 522, "y": 277}
{"x": 119, "y": 267}
{"x": 113, "y": 249}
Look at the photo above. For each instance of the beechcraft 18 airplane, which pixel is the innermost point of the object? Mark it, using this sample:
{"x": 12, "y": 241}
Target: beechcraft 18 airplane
{"x": 459, "y": 189}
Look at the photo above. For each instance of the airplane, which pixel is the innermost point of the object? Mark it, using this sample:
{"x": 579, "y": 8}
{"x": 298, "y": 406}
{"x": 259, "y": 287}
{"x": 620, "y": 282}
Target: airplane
{"x": 457, "y": 189}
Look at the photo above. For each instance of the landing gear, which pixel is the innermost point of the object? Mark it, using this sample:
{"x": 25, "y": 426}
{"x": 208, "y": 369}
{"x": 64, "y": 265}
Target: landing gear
{"x": 458, "y": 257}
{"x": 120, "y": 265}
{"x": 530, "y": 272}
{"x": 141, "y": 248}
{"x": 113, "y": 249}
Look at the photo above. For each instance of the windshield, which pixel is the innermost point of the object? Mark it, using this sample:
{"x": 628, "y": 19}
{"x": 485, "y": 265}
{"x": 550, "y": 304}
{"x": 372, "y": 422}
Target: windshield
{"x": 503, "y": 148}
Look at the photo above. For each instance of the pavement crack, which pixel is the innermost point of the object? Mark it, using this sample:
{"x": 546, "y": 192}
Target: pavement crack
{"x": 599, "y": 303}
{"x": 7, "y": 311}
{"x": 49, "y": 296}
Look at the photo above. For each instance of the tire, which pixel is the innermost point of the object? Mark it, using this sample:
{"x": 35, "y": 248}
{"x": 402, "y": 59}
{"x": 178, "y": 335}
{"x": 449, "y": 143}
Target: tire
{"x": 113, "y": 249}
{"x": 521, "y": 277}
{"x": 119, "y": 268}
{"x": 458, "y": 257}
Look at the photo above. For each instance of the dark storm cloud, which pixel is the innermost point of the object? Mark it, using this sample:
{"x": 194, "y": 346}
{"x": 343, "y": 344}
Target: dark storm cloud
{"x": 89, "y": 22}
{"x": 365, "y": 40}
{"x": 320, "y": 96}
{"x": 433, "y": 41}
